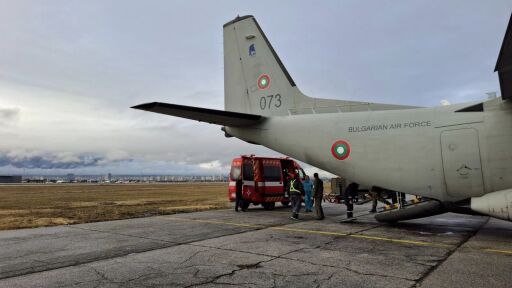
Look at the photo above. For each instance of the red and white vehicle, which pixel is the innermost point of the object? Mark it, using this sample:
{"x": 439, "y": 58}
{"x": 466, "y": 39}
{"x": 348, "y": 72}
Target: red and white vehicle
{"x": 265, "y": 179}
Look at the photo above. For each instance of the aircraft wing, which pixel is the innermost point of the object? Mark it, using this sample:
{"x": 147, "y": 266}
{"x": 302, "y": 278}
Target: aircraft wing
{"x": 504, "y": 64}
{"x": 219, "y": 117}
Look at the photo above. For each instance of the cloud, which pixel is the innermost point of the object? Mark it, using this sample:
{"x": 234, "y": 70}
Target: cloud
{"x": 115, "y": 156}
{"x": 215, "y": 166}
{"x": 445, "y": 102}
{"x": 9, "y": 115}
{"x": 45, "y": 160}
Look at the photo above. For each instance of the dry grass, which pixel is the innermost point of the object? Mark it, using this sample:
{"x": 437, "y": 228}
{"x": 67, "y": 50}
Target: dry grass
{"x": 26, "y": 206}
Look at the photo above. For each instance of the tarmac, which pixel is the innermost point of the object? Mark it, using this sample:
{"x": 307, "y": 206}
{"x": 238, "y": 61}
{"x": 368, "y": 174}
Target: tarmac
{"x": 259, "y": 248}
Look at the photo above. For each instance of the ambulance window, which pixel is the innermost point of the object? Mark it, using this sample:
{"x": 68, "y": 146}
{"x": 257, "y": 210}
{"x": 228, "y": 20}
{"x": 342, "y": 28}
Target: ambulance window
{"x": 235, "y": 172}
{"x": 248, "y": 173}
{"x": 272, "y": 173}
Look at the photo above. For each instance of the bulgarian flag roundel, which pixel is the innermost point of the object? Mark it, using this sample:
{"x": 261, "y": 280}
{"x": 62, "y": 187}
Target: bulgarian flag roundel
{"x": 340, "y": 150}
{"x": 263, "y": 81}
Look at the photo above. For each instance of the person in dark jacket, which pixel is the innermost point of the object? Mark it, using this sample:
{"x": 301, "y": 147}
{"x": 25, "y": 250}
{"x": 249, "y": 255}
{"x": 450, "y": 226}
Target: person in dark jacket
{"x": 318, "y": 195}
{"x": 238, "y": 196}
{"x": 350, "y": 194}
{"x": 296, "y": 192}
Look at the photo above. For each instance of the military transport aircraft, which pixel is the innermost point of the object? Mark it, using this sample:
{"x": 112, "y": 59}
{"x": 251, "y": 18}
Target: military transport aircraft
{"x": 458, "y": 157}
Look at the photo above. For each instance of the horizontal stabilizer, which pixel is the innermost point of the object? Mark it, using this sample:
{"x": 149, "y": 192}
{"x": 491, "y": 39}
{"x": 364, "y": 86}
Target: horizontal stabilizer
{"x": 219, "y": 117}
{"x": 504, "y": 64}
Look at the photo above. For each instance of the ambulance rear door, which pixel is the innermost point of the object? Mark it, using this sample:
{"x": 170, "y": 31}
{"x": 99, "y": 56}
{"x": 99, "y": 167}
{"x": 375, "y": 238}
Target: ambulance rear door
{"x": 272, "y": 180}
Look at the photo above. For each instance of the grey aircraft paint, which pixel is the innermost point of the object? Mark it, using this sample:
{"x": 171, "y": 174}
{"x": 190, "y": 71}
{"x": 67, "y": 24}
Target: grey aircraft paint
{"x": 448, "y": 153}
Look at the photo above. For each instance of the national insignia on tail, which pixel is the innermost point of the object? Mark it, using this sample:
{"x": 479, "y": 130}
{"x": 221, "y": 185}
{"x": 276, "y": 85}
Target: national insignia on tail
{"x": 263, "y": 81}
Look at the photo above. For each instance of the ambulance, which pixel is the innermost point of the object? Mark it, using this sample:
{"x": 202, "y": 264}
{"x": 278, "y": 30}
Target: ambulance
{"x": 265, "y": 179}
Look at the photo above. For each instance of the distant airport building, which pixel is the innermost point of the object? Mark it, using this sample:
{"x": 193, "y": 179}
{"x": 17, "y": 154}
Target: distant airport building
{"x": 10, "y": 179}
{"x": 70, "y": 177}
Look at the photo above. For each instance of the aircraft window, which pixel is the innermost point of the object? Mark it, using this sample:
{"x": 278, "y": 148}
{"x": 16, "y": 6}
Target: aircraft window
{"x": 235, "y": 172}
{"x": 248, "y": 173}
{"x": 272, "y": 173}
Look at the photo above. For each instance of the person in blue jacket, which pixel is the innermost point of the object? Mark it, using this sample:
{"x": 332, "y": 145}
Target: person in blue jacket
{"x": 308, "y": 187}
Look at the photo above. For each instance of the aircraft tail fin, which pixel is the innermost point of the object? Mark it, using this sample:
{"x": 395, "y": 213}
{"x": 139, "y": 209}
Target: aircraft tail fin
{"x": 219, "y": 117}
{"x": 504, "y": 64}
{"x": 256, "y": 81}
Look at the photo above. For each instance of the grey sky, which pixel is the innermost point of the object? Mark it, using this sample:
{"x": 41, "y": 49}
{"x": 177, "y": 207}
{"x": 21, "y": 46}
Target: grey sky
{"x": 70, "y": 70}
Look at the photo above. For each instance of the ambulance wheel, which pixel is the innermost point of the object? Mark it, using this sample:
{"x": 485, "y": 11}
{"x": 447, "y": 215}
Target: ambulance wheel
{"x": 285, "y": 203}
{"x": 269, "y": 205}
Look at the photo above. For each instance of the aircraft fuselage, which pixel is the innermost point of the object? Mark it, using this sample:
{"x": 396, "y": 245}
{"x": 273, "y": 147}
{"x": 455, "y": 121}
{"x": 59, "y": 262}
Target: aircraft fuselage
{"x": 432, "y": 152}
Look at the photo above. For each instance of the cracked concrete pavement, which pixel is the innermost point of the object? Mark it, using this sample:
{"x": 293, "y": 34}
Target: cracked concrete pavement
{"x": 261, "y": 249}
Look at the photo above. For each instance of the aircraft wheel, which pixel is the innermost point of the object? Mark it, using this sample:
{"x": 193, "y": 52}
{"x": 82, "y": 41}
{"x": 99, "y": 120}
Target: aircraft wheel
{"x": 269, "y": 205}
{"x": 285, "y": 203}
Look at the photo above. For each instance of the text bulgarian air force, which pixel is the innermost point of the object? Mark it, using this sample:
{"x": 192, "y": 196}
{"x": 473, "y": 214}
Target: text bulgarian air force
{"x": 379, "y": 127}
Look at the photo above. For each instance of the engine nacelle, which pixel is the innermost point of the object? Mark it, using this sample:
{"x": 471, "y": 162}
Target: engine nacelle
{"x": 496, "y": 204}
